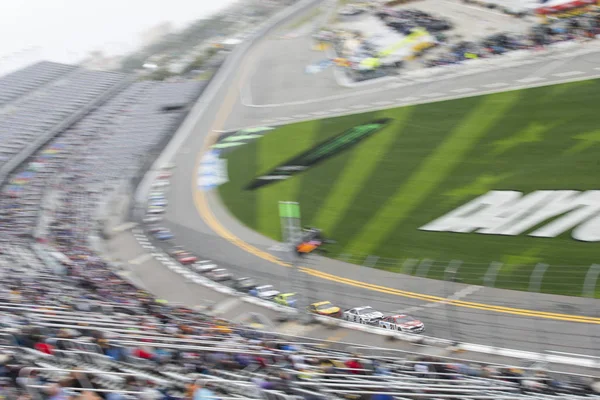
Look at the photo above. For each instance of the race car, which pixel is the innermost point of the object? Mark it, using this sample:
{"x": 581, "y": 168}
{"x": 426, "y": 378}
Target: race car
{"x": 204, "y": 266}
{"x": 152, "y": 219}
{"x": 155, "y": 209}
{"x": 164, "y": 234}
{"x": 312, "y": 239}
{"x": 219, "y": 275}
{"x": 286, "y": 299}
{"x": 325, "y": 308}
{"x": 175, "y": 251}
{"x": 362, "y": 315}
{"x": 186, "y": 258}
{"x": 264, "y": 292}
{"x": 158, "y": 203}
{"x": 155, "y": 229}
{"x": 160, "y": 183}
{"x": 244, "y": 284}
{"x": 403, "y": 323}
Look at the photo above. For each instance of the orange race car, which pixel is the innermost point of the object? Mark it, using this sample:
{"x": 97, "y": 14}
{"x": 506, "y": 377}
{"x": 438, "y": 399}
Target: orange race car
{"x": 312, "y": 240}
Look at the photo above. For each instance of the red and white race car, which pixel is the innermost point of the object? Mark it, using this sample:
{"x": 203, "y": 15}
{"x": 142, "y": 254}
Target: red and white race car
{"x": 186, "y": 258}
{"x": 403, "y": 323}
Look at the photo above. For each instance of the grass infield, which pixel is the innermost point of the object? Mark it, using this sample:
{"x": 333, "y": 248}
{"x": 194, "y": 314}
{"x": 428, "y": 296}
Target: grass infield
{"x": 428, "y": 161}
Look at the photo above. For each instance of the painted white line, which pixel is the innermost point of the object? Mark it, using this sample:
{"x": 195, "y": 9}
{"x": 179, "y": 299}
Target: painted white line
{"x": 403, "y": 99}
{"x": 357, "y": 106}
{"x": 140, "y": 259}
{"x": 530, "y": 80}
{"x": 572, "y": 354}
{"x": 463, "y": 90}
{"x": 495, "y": 85}
{"x": 284, "y": 118}
{"x": 436, "y": 94}
{"x": 570, "y": 73}
{"x": 319, "y": 113}
{"x": 336, "y": 110}
{"x": 145, "y": 246}
{"x": 300, "y": 116}
{"x": 382, "y": 103}
{"x": 597, "y": 68}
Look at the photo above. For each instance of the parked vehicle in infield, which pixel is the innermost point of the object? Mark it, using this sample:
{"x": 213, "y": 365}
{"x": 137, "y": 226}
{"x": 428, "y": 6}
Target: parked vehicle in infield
{"x": 219, "y": 275}
{"x": 286, "y": 299}
{"x": 325, "y": 308}
{"x": 164, "y": 234}
{"x": 266, "y": 292}
{"x": 363, "y": 315}
{"x": 204, "y": 266}
{"x": 403, "y": 323}
{"x": 244, "y": 284}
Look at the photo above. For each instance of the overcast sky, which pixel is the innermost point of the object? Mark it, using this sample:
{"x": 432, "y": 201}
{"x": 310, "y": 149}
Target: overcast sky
{"x": 66, "y": 30}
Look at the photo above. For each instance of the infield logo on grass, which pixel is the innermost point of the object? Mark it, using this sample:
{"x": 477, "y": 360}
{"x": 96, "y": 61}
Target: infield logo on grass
{"x": 231, "y": 140}
{"x": 319, "y": 153}
{"x": 543, "y": 213}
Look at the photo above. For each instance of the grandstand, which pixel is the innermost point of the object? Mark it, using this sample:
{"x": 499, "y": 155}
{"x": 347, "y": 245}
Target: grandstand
{"x": 67, "y": 318}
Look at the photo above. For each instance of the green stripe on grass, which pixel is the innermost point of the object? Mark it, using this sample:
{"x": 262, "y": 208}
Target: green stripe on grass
{"x": 433, "y": 170}
{"x": 363, "y": 162}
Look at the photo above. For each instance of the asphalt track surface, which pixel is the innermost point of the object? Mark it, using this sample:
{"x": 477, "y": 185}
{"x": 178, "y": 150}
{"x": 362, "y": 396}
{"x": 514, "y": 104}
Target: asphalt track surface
{"x": 485, "y": 316}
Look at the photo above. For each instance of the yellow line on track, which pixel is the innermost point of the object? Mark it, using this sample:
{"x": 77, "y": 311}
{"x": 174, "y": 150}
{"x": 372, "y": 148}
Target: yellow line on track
{"x": 210, "y": 220}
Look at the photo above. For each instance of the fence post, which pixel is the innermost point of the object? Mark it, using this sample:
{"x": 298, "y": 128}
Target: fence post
{"x": 450, "y": 273}
{"x": 589, "y": 291}
{"x": 489, "y": 280}
{"x": 370, "y": 261}
{"x": 535, "y": 285}
{"x": 423, "y": 268}
{"x": 408, "y": 265}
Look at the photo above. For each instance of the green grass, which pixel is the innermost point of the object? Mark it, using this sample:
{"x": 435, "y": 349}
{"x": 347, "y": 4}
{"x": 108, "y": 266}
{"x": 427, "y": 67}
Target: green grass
{"x": 431, "y": 159}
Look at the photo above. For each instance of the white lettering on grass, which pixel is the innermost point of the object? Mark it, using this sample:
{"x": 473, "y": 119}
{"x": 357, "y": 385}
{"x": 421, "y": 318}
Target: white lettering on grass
{"x": 510, "y": 213}
{"x": 460, "y": 220}
{"x": 585, "y": 206}
{"x": 588, "y": 231}
{"x": 532, "y": 210}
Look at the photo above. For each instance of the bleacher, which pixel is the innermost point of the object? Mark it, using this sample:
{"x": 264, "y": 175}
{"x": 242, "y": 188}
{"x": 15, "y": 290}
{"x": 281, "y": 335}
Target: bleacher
{"x": 21, "y": 82}
{"x": 37, "y": 114}
{"x": 66, "y": 317}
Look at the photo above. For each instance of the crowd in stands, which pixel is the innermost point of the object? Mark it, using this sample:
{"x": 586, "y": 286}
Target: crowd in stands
{"x": 71, "y": 328}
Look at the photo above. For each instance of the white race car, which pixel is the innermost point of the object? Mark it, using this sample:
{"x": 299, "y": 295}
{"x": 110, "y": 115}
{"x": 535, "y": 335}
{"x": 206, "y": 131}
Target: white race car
{"x": 362, "y": 315}
{"x": 403, "y": 323}
{"x": 266, "y": 292}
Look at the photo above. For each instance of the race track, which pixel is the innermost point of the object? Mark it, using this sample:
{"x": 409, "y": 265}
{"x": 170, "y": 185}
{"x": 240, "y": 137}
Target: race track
{"x": 264, "y": 91}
